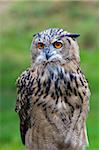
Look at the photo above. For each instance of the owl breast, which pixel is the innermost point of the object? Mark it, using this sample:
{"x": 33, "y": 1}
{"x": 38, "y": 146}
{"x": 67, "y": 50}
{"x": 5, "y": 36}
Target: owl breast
{"x": 53, "y": 87}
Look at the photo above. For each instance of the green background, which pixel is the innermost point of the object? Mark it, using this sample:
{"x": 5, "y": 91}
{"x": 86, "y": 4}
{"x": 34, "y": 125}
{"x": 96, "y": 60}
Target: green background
{"x": 19, "y": 20}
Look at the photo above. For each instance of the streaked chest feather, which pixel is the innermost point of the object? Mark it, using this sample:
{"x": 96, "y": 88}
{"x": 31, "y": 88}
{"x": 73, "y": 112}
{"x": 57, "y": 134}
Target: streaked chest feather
{"x": 53, "y": 86}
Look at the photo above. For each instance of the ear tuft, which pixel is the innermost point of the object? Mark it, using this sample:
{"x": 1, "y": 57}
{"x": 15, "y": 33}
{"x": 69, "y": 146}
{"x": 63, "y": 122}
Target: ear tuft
{"x": 73, "y": 35}
{"x": 34, "y": 35}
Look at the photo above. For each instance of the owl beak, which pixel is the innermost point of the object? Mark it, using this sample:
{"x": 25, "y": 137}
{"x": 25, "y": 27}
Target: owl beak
{"x": 47, "y": 56}
{"x": 47, "y": 53}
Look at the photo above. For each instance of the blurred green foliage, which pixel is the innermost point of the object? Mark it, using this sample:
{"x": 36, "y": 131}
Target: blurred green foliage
{"x": 18, "y": 22}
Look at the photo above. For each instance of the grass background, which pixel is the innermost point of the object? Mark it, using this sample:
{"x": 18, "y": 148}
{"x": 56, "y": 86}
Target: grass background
{"x": 19, "y": 20}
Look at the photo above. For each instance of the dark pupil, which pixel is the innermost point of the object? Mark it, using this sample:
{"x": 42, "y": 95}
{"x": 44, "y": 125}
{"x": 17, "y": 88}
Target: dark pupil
{"x": 57, "y": 44}
{"x": 41, "y": 45}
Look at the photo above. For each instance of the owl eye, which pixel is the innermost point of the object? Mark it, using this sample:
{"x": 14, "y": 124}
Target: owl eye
{"x": 40, "y": 45}
{"x": 57, "y": 45}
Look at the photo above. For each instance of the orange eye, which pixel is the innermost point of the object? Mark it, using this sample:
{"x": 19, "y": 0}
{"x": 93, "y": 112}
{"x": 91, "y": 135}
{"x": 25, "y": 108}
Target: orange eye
{"x": 57, "y": 45}
{"x": 40, "y": 45}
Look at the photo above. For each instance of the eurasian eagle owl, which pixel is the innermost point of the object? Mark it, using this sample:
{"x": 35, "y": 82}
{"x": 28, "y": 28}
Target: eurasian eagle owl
{"x": 53, "y": 94}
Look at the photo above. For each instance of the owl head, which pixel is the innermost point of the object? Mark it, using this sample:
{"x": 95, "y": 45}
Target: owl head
{"x": 54, "y": 45}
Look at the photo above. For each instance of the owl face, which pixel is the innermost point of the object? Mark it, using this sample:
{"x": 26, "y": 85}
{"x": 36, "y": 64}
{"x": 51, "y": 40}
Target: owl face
{"x": 53, "y": 45}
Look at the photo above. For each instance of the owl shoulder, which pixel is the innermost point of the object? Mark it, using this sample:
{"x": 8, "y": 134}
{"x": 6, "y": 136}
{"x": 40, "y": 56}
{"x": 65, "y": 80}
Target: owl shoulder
{"x": 24, "y": 88}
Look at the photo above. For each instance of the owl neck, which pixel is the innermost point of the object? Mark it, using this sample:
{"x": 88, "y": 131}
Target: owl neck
{"x": 56, "y": 67}
{"x": 62, "y": 62}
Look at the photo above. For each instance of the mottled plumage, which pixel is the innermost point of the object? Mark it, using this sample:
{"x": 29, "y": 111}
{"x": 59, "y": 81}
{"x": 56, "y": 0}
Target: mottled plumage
{"x": 53, "y": 94}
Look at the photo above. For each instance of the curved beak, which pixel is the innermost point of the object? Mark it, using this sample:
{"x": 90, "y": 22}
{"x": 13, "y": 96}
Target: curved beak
{"x": 47, "y": 55}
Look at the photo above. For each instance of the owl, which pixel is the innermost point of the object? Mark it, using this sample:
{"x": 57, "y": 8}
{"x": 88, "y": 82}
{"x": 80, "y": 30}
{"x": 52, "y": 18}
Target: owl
{"x": 53, "y": 94}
